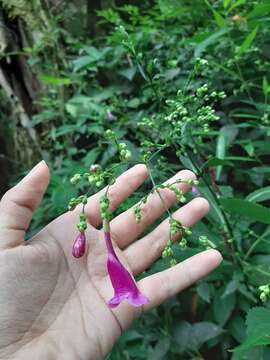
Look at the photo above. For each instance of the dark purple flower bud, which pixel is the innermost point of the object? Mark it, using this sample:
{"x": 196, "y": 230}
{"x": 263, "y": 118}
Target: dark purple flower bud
{"x": 94, "y": 168}
{"x": 195, "y": 191}
{"x": 79, "y": 246}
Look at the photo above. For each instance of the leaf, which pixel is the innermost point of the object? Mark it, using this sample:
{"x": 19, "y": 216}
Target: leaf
{"x": 160, "y": 350}
{"x": 203, "y": 292}
{"x": 171, "y": 74}
{"x": 259, "y": 195}
{"x": 223, "y": 307}
{"x": 204, "y": 331}
{"x": 210, "y": 40}
{"x": 221, "y": 22}
{"x": 226, "y": 136}
{"x": 51, "y": 80}
{"x": 249, "y": 148}
{"x": 238, "y": 329}
{"x": 141, "y": 70}
{"x": 258, "y": 329}
{"x": 82, "y": 62}
{"x": 226, "y": 3}
{"x": 246, "y": 208}
{"x": 189, "y": 336}
{"x": 266, "y": 87}
{"x": 247, "y": 42}
{"x": 227, "y": 160}
{"x": 259, "y": 10}
{"x": 212, "y": 162}
{"x": 236, "y": 4}
{"x": 230, "y": 288}
{"x": 128, "y": 73}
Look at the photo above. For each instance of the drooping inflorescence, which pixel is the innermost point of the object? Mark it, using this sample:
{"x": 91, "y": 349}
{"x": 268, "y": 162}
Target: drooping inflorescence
{"x": 124, "y": 285}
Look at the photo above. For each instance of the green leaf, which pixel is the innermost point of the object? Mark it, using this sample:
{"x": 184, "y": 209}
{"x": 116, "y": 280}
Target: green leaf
{"x": 247, "y": 42}
{"x": 226, "y": 136}
{"x": 51, "y": 80}
{"x": 223, "y": 307}
{"x": 128, "y": 73}
{"x": 249, "y": 148}
{"x": 236, "y": 4}
{"x": 221, "y": 22}
{"x": 258, "y": 329}
{"x": 266, "y": 87}
{"x": 238, "y": 329}
{"x": 227, "y": 160}
{"x": 259, "y": 10}
{"x": 226, "y": 3}
{"x": 83, "y": 62}
{"x": 203, "y": 292}
{"x": 160, "y": 350}
{"x": 214, "y": 161}
{"x": 246, "y": 208}
{"x": 204, "y": 331}
{"x": 210, "y": 40}
{"x": 189, "y": 336}
{"x": 259, "y": 195}
{"x": 230, "y": 288}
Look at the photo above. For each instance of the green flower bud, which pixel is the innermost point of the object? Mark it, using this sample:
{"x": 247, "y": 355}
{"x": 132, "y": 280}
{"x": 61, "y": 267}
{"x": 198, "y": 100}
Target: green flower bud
{"x": 263, "y": 297}
{"x": 75, "y": 179}
{"x": 82, "y": 217}
{"x": 99, "y": 184}
{"x": 91, "y": 179}
{"x": 173, "y": 262}
{"x": 82, "y": 226}
{"x": 127, "y": 155}
{"x": 122, "y": 146}
{"x": 183, "y": 243}
{"x": 109, "y": 134}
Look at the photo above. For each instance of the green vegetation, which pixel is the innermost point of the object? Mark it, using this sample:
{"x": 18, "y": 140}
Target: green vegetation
{"x": 185, "y": 84}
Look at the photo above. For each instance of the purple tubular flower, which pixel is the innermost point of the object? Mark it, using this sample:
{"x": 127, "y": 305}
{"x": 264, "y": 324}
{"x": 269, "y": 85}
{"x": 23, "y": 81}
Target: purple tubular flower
{"x": 124, "y": 285}
{"x": 78, "y": 249}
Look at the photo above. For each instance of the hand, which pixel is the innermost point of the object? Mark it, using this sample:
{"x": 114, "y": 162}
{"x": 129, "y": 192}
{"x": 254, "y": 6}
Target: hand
{"x": 54, "y": 306}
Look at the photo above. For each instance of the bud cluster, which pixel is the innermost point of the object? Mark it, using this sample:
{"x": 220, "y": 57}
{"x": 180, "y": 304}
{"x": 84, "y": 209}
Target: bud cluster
{"x": 82, "y": 199}
{"x": 104, "y": 208}
{"x": 206, "y": 243}
{"x": 96, "y": 177}
{"x": 138, "y": 214}
{"x": 75, "y": 179}
{"x": 82, "y": 225}
{"x": 264, "y": 292}
{"x": 110, "y": 135}
{"x": 125, "y": 154}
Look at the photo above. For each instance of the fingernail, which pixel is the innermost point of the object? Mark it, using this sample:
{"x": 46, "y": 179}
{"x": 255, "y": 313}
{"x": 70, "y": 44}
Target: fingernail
{"x": 38, "y": 164}
{"x": 42, "y": 162}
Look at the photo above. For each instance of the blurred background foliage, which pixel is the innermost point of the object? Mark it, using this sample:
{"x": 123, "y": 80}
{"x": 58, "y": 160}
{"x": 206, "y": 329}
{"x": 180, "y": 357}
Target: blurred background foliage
{"x": 69, "y": 70}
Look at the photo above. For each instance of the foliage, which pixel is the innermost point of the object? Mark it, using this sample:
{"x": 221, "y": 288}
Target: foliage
{"x": 157, "y": 75}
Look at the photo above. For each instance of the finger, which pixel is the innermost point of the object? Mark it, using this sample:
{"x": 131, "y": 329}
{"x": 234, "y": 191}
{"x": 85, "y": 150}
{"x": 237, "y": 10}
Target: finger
{"x": 124, "y": 227}
{"x": 154, "y": 243}
{"x": 124, "y": 186}
{"x": 163, "y": 285}
{"x": 18, "y": 204}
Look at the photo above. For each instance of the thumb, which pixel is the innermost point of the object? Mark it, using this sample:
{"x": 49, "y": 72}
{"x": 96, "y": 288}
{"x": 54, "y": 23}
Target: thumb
{"x": 18, "y": 204}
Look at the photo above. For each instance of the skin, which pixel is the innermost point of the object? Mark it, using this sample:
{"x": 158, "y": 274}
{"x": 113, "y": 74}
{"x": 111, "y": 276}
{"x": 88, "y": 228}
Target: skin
{"x": 53, "y": 306}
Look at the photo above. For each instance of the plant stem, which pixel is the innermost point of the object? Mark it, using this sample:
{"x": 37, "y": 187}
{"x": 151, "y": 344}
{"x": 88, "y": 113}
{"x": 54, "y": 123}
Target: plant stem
{"x": 226, "y": 223}
{"x": 259, "y": 239}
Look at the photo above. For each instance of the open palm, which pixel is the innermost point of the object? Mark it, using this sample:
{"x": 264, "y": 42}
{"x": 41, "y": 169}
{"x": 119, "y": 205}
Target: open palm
{"x": 55, "y": 306}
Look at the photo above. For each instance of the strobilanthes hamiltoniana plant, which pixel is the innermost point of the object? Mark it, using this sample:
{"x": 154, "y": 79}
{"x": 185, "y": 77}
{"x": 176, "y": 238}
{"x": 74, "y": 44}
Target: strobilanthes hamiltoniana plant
{"x": 123, "y": 283}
